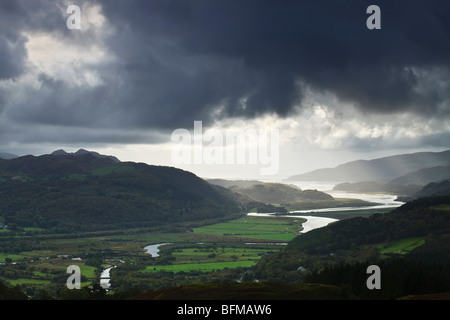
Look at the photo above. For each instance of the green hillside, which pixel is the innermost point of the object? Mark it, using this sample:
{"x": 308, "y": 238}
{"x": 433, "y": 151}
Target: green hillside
{"x": 413, "y": 239}
{"x": 78, "y": 193}
{"x": 274, "y": 193}
{"x": 282, "y": 198}
{"x": 281, "y": 193}
{"x": 414, "y": 219}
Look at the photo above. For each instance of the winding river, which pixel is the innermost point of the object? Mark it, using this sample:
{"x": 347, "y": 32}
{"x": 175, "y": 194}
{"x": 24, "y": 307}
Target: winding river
{"x": 153, "y": 249}
{"x": 381, "y": 200}
{"x": 105, "y": 276}
{"x": 312, "y": 222}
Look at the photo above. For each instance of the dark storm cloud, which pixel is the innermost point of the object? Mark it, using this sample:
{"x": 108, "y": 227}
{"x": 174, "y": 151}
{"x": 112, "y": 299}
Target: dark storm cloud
{"x": 323, "y": 44}
{"x": 178, "y": 61}
{"x": 12, "y": 51}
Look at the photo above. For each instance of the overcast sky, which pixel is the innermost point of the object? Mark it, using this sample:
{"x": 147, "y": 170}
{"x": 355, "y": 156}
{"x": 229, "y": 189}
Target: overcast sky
{"x": 139, "y": 69}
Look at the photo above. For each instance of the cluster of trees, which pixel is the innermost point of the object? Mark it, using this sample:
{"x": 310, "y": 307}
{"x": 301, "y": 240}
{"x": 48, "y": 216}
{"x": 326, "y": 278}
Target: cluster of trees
{"x": 127, "y": 277}
{"x": 11, "y": 293}
{"x": 400, "y": 277}
{"x": 94, "y": 292}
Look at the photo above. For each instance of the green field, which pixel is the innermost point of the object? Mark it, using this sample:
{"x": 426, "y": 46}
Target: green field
{"x": 235, "y": 253}
{"x": 13, "y": 257}
{"x": 42, "y": 258}
{"x": 444, "y": 207}
{"x": 28, "y": 281}
{"x": 402, "y": 246}
{"x": 208, "y": 258}
{"x": 204, "y": 267}
{"x": 263, "y": 228}
{"x": 217, "y": 253}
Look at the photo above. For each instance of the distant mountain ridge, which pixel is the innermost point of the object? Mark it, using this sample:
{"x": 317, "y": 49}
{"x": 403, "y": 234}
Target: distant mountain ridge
{"x": 405, "y": 186}
{"x": 7, "y": 155}
{"x": 61, "y": 152}
{"x": 381, "y": 170}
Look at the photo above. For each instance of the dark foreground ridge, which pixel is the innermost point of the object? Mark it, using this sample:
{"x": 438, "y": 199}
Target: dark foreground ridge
{"x": 249, "y": 291}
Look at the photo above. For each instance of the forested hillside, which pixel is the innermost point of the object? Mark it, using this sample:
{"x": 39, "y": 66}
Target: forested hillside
{"x": 282, "y": 198}
{"x": 83, "y": 192}
{"x": 414, "y": 238}
{"x": 281, "y": 193}
{"x": 433, "y": 189}
{"x": 421, "y": 217}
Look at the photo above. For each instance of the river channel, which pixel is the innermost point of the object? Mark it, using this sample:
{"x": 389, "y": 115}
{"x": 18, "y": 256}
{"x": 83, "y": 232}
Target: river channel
{"x": 153, "y": 249}
{"x": 312, "y": 222}
{"x": 105, "y": 276}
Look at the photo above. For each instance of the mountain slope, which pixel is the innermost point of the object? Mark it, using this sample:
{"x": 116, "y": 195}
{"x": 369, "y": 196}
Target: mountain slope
{"x": 281, "y": 197}
{"x": 423, "y": 176}
{"x": 85, "y": 192}
{"x": 234, "y": 183}
{"x": 280, "y": 193}
{"x": 425, "y": 221}
{"x": 434, "y": 189}
{"x": 413, "y": 219}
{"x": 406, "y": 186}
{"x": 381, "y": 170}
{"x": 6, "y": 155}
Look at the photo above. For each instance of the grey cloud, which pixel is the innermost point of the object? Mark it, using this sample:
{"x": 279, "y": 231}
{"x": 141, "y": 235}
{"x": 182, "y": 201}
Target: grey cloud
{"x": 179, "y": 61}
{"x": 441, "y": 140}
{"x": 12, "y": 50}
{"x": 323, "y": 43}
{"x": 13, "y": 55}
